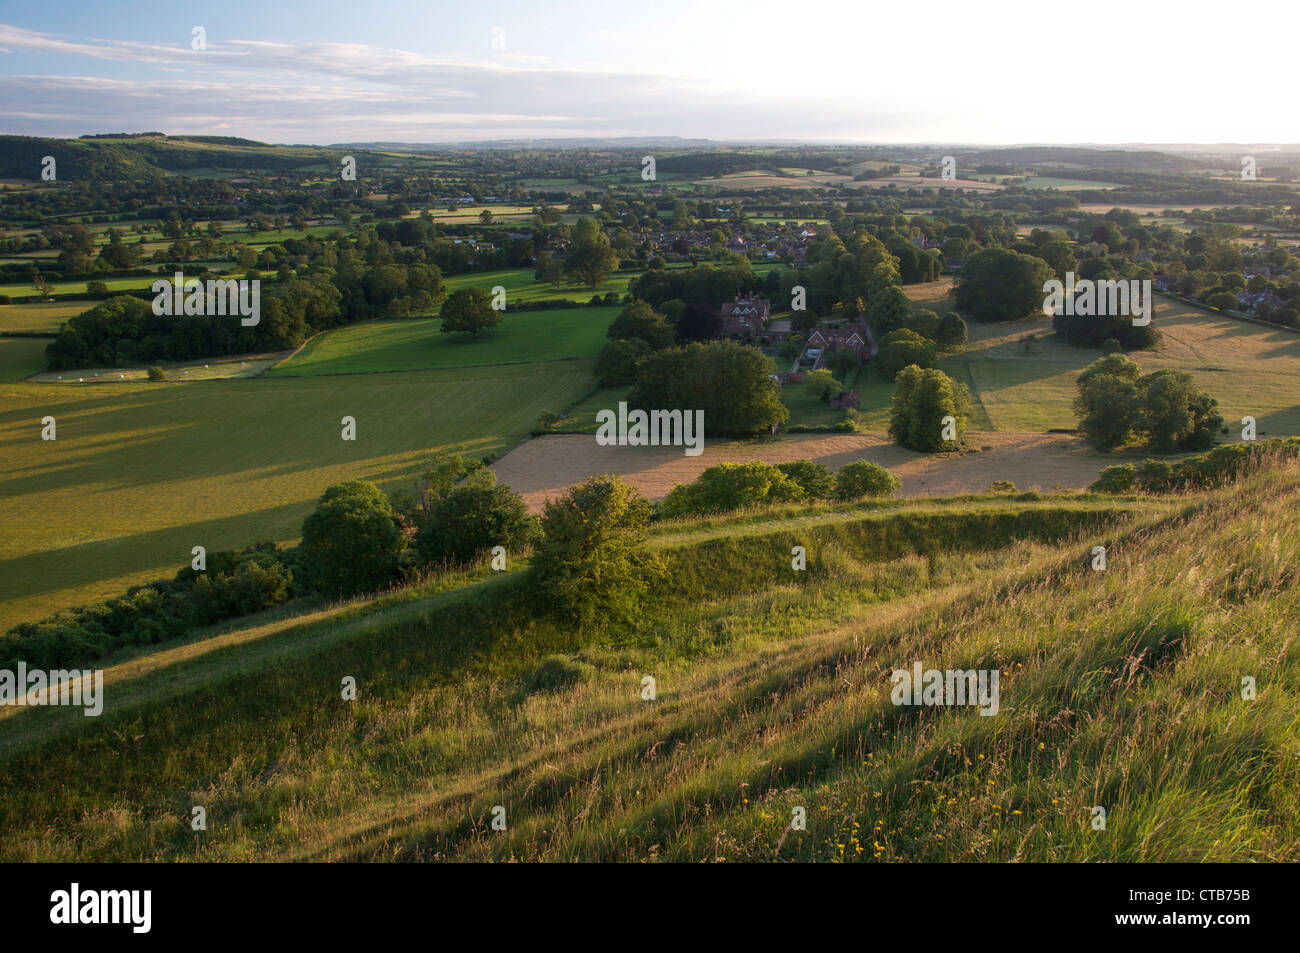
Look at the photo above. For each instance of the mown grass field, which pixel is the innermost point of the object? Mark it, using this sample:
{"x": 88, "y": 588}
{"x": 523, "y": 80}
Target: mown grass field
{"x": 41, "y": 317}
{"x": 141, "y": 473}
{"x": 21, "y": 357}
{"x": 1119, "y": 689}
{"x": 418, "y": 343}
{"x": 1249, "y": 368}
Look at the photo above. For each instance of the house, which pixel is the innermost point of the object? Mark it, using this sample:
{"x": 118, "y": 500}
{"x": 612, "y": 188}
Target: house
{"x": 745, "y": 316}
{"x": 852, "y": 336}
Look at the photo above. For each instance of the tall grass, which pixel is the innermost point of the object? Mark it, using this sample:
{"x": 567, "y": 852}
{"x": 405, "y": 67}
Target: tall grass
{"x": 1119, "y": 689}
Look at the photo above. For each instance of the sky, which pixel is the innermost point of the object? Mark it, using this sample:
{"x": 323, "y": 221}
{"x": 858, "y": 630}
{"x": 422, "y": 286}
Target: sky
{"x": 333, "y": 71}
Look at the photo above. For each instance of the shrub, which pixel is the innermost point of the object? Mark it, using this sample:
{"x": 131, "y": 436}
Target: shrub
{"x": 351, "y": 543}
{"x": 1153, "y": 475}
{"x": 472, "y": 518}
{"x": 1117, "y": 479}
{"x": 592, "y": 561}
{"x": 1002, "y": 486}
{"x": 731, "y": 486}
{"x": 861, "y": 478}
{"x": 816, "y": 481}
{"x": 156, "y": 373}
{"x": 557, "y": 671}
{"x": 823, "y": 385}
{"x": 1111, "y": 346}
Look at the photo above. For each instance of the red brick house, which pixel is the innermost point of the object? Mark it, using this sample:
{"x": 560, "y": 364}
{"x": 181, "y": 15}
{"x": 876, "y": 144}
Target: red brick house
{"x": 851, "y": 336}
{"x": 745, "y": 317}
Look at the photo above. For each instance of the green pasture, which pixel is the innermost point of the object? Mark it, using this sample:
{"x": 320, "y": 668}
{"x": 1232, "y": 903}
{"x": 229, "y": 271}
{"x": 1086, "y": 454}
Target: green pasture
{"x": 141, "y": 473}
{"x": 418, "y": 343}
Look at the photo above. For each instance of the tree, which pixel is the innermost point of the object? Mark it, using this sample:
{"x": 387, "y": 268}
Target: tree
{"x": 888, "y": 310}
{"x": 639, "y": 320}
{"x": 699, "y": 322}
{"x": 863, "y": 478}
{"x": 591, "y": 259}
{"x": 469, "y": 309}
{"x": 922, "y": 399}
{"x": 1176, "y": 415}
{"x": 470, "y": 519}
{"x": 901, "y": 348}
{"x": 351, "y": 542}
{"x": 730, "y": 382}
{"x": 616, "y": 364}
{"x": 1001, "y": 285}
{"x": 1107, "y": 402}
{"x": 823, "y": 385}
{"x": 592, "y": 561}
{"x": 951, "y": 331}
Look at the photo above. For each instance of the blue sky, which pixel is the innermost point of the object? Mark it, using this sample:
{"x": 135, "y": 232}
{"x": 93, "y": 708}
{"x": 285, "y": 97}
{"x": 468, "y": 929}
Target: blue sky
{"x": 336, "y": 71}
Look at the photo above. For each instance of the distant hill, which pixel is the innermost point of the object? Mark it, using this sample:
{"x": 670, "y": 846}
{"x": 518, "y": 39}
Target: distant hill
{"x": 123, "y": 156}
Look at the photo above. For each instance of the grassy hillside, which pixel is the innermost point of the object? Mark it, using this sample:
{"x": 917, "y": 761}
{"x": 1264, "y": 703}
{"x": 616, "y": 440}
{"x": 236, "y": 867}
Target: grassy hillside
{"x": 1119, "y": 689}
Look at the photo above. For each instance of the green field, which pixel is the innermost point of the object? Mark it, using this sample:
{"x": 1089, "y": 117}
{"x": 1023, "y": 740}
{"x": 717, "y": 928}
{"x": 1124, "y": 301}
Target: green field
{"x": 21, "y": 357}
{"x": 520, "y": 285}
{"x": 42, "y": 317}
{"x": 141, "y": 473}
{"x": 417, "y": 343}
{"x": 1250, "y": 369}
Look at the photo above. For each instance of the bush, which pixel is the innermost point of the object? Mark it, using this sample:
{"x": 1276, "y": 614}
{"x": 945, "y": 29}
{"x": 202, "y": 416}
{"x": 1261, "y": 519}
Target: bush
{"x": 1117, "y": 479}
{"x": 816, "y": 481}
{"x": 823, "y": 385}
{"x": 1002, "y": 486}
{"x": 472, "y": 518}
{"x": 156, "y": 373}
{"x": 1111, "y": 346}
{"x": 351, "y": 543}
{"x": 731, "y": 486}
{"x": 592, "y": 561}
{"x": 557, "y": 671}
{"x": 860, "y": 478}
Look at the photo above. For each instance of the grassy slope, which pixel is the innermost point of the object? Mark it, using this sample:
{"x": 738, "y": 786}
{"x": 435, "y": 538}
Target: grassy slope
{"x": 415, "y": 344}
{"x": 1119, "y": 689}
{"x": 141, "y": 472}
